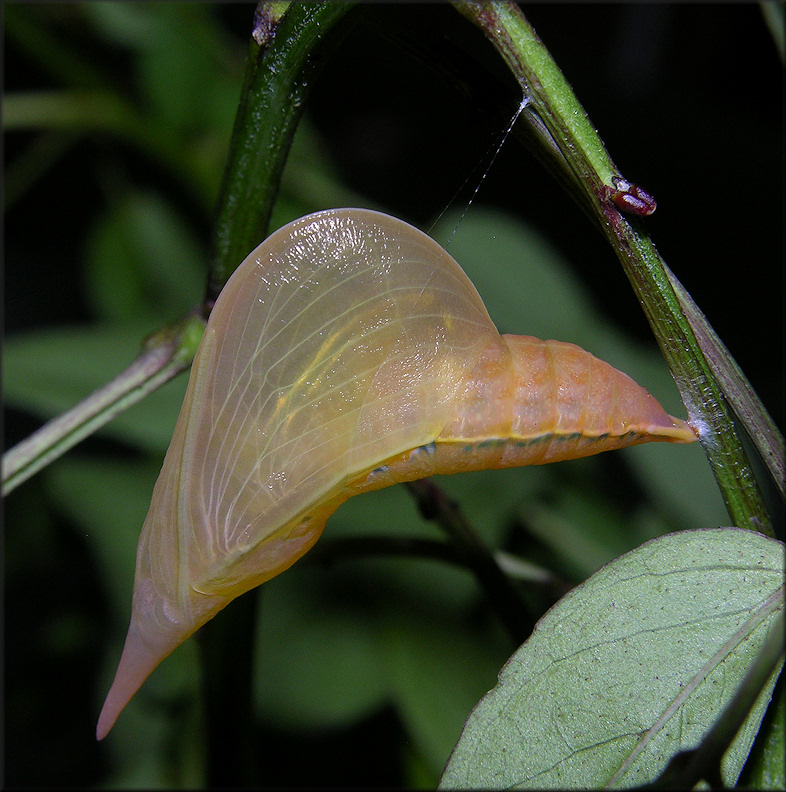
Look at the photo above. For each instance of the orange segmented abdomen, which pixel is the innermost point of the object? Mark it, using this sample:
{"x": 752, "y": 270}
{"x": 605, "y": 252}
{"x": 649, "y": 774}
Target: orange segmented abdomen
{"x": 530, "y": 402}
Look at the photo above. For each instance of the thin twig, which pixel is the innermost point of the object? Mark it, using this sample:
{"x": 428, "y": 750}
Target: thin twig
{"x": 435, "y": 505}
{"x": 165, "y": 355}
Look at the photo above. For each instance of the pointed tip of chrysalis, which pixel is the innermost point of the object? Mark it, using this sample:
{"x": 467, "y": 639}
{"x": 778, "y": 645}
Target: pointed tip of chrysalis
{"x": 139, "y": 658}
{"x": 683, "y": 431}
{"x": 675, "y": 430}
{"x": 662, "y": 426}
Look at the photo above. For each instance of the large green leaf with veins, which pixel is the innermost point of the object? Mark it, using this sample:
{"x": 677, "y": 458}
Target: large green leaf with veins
{"x": 629, "y": 668}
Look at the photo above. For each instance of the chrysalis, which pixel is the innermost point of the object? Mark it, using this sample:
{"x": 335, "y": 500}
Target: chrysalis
{"x": 348, "y": 352}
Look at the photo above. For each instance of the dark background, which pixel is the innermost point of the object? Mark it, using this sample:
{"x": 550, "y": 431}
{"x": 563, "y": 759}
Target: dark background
{"x": 688, "y": 99}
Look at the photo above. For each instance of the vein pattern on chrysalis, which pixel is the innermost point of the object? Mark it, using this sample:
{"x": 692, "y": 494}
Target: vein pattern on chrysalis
{"x": 347, "y": 353}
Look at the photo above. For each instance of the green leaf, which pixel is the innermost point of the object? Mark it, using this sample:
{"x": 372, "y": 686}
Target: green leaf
{"x": 89, "y": 493}
{"x": 183, "y": 60}
{"x": 766, "y": 768}
{"x": 437, "y": 668}
{"x": 143, "y": 262}
{"x": 318, "y": 665}
{"x": 629, "y": 668}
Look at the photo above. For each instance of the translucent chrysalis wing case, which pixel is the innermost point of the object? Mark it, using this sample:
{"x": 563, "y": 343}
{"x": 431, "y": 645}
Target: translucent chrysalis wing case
{"x": 348, "y": 352}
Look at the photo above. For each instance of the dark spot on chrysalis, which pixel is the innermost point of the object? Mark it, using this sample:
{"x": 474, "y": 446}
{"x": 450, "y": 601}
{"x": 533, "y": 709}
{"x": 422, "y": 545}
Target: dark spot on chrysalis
{"x": 631, "y": 198}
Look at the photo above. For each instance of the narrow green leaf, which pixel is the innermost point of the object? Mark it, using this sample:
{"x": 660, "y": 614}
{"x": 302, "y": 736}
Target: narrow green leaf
{"x": 773, "y": 14}
{"x": 143, "y": 262}
{"x": 743, "y": 399}
{"x": 181, "y": 60}
{"x": 39, "y": 31}
{"x": 767, "y": 766}
{"x": 629, "y": 668}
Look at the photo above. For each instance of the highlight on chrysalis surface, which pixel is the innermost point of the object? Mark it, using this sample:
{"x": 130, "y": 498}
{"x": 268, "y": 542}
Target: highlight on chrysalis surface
{"x": 348, "y": 352}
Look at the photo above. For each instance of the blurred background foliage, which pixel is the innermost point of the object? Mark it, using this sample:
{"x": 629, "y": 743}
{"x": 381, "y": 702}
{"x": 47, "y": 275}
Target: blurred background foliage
{"x": 117, "y": 118}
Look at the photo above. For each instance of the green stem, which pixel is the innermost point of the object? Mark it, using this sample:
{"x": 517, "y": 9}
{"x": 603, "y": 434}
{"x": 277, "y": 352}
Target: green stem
{"x": 701, "y": 392}
{"x": 276, "y": 83}
{"x": 764, "y": 434}
{"x": 166, "y": 354}
{"x": 570, "y": 142}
